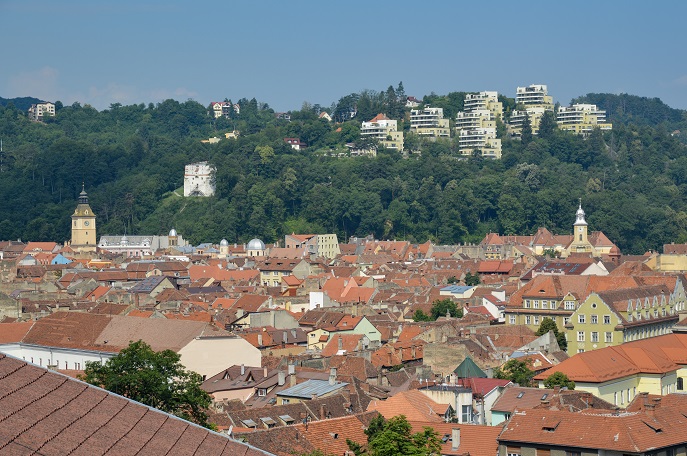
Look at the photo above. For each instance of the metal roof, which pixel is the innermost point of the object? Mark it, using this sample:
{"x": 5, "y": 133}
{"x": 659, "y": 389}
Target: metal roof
{"x": 306, "y": 390}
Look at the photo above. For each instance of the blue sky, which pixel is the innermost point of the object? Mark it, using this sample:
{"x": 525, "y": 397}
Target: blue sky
{"x": 287, "y": 52}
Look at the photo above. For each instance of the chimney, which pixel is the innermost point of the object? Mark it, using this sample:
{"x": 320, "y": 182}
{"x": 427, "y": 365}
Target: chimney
{"x": 260, "y": 340}
{"x": 340, "y": 343}
{"x": 323, "y": 415}
{"x": 649, "y": 408}
{"x": 455, "y": 439}
{"x": 332, "y": 376}
{"x": 657, "y": 402}
{"x": 292, "y": 375}
{"x": 264, "y": 372}
{"x": 285, "y": 337}
{"x": 243, "y": 369}
{"x": 281, "y": 378}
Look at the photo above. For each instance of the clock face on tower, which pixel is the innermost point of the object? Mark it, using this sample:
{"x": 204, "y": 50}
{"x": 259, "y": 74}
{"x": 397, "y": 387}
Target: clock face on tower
{"x": 579, "y": 229}
{"x": 86, "y": 223}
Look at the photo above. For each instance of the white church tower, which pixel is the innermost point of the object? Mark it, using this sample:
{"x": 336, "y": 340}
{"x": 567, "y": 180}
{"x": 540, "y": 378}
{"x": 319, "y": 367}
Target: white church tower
{"x": 199, "y": 179}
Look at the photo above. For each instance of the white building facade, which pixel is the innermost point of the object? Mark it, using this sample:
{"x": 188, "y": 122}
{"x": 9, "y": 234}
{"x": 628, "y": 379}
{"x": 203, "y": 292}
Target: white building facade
{"x": 199, "y": 179}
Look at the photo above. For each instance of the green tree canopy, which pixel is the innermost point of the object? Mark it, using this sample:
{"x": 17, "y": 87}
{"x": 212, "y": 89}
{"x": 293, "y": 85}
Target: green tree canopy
{"x": 157, "y": 379}
{"x": 559, "y": 379}
{"x": 517, "y": 371}
{"x": 441, "y": 306}
{"x": 547, "y": 324}
{"x": 393, "y": 437}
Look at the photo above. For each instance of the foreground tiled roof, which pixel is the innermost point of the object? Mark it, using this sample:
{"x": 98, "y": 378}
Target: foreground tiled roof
{"x": 47, "y": 413}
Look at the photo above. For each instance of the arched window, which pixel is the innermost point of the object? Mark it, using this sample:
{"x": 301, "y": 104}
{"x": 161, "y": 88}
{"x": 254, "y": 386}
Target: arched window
{"x": 680, "y": 383}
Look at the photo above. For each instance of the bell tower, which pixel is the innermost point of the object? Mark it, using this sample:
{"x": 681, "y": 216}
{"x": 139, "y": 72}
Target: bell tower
{"x": 580, "y": 241}
{"x": 83, "y": 225}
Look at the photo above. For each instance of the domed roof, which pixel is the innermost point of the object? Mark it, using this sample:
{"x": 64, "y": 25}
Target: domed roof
{"x": 256, "y": 244}
{"x": 223, "y": 242}
{"x": 579, "y": 217}
{"x": 172, "y": 232}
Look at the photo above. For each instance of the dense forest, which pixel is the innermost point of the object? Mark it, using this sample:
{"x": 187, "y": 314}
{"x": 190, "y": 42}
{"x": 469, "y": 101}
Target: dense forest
{"x": 632, "y": 180}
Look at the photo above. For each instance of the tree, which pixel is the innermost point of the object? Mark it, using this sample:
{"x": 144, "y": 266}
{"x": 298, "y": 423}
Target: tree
{"x": 393, "y": 438}
{"x": 157, "y": 379}
{"x": 471, "y": 280}
{"x": 516, "y": 371}
{"x": 441, "y": 306}
{"x": 559, "y": 379}
{"x": 419, "y": 315}
{"x": 548, "y": 324}
{"x": 526, "y": 132}
{"x": 547, "y": 125}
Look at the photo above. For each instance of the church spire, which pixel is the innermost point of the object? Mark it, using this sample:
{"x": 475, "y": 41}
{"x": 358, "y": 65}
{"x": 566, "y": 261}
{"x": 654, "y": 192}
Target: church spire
{"x": 579, "y": 215}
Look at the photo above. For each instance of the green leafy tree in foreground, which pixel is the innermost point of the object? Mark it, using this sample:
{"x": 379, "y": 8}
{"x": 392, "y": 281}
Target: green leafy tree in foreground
{"x": 516, "y": 371}
{"x": 393, "y": 438}
{"x": 157, "y": 379}
{"x": 471, "y": 280}
{"x": 441, "y": 306}
{"x": 547, "y": 324}
{"x": 419, "y": 315}
{"x": 559, "y": 379}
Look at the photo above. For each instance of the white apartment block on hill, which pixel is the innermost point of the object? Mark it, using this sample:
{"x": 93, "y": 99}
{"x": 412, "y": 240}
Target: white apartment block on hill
{"x": 480, "y": 139}
{"x": 517, "y": 118}
{"x": 582, "y": 119}
{"x": 488, "y": 100}
{"x": 37, "y": 111}
{"x": 534, "y": 95}
{"x": 385, "y": 130}
{"x": 429, "y": 122}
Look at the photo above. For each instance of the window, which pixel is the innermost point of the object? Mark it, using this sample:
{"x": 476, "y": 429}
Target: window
{"x": 680, "y": 384}
{"x": 569, "y": 305}
{"x": 528, "y": 320}
{"x": 552, "y": 304}
{"x": 466, "y": 414}
{"x": 595, "y": 319}
{"x": 595, "y": 336}
{"x": 262, "y": 392}
{"x": 607, "y": 319}
{"x": 580, "y": 318}
{"x": 580, "y": 336}
{"x": 536, "y": 319}
{"x": 536, "y": 304}
{"x": 609, "y": 337}
{"x": 513, "y": 451}
{"x": 284, "y": 401}
{"x": 566, "y": 320}
{"x": 527, "y": 303}
{"x": 512, "y": 319}
{"x": 545, "y": 304}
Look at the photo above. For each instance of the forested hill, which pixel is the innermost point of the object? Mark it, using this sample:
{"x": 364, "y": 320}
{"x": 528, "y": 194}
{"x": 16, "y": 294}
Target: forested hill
{"x": 631, "y": 109}
{"x": 632, "y": 180}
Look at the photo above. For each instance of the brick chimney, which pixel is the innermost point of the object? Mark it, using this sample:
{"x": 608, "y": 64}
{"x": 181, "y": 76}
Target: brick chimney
{"x": 281, "y": 379}
{"x": 332, "y": 376}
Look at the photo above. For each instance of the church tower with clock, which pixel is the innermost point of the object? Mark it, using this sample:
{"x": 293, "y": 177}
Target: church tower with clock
{"x": 83, "y": 226}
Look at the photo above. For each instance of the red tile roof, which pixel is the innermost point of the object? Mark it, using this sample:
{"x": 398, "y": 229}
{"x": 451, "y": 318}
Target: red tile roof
{"x": 44, "y": 412}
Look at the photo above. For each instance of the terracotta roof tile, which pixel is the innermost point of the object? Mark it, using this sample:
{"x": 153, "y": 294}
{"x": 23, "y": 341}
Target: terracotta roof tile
{"x": 45, "y": 412}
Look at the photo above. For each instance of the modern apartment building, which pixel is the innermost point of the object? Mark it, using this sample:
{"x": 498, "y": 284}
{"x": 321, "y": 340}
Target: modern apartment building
{"x": 479, "y": 118}
{"x": 480, "y": 139}
{"x": 429, "y": 122}
{"x": 385, "y": 130}
{"x": 517, "y": 118}
{"x": 535, "y": 95}
{"x": 582, "y": 118}
{"x": 488, "y": 100}
{"x": 37, "y": 111}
